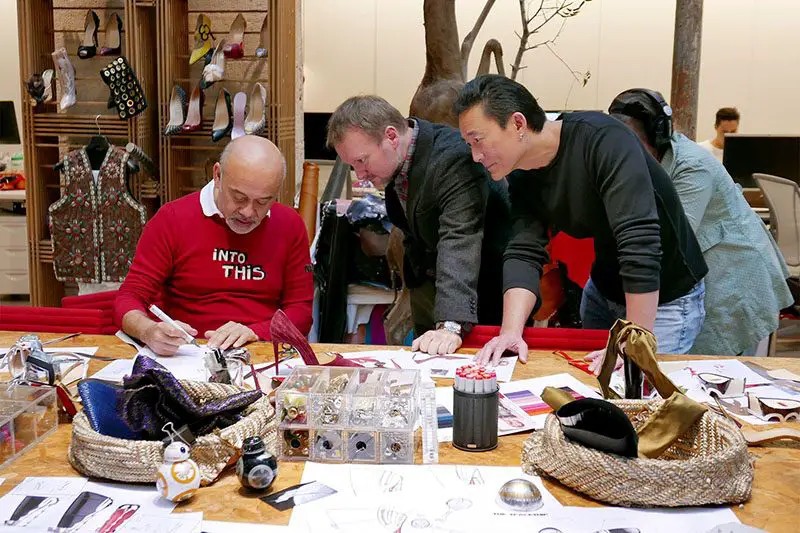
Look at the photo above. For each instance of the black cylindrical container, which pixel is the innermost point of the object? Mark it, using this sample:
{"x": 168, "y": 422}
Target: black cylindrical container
{"x": 475, "y": 421}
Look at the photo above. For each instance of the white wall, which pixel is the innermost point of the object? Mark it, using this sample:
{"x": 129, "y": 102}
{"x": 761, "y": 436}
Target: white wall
{"x": 9, "y": 64}
{"x": 751, "y": 54}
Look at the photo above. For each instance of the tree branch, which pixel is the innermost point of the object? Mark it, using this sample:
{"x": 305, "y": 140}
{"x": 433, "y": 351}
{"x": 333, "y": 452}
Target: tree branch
{"x": 469, "y": 39}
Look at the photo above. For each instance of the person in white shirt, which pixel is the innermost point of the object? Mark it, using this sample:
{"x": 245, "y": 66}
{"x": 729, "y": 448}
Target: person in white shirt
{"x": 727, "y": 121}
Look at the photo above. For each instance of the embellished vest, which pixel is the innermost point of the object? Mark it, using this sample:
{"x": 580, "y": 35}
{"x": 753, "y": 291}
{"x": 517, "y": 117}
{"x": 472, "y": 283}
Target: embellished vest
{"x": 95, "y": 226}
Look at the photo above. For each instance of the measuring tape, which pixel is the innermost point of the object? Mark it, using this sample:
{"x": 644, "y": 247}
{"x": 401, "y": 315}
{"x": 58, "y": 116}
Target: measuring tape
{"x": 430, "y": 425}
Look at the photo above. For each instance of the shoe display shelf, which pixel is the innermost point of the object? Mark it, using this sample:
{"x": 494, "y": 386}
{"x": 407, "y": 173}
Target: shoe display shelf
{"x": 188, "y": 157}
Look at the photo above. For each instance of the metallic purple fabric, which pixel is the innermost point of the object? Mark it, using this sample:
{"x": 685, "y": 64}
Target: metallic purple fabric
{"x": 154, "y": 397}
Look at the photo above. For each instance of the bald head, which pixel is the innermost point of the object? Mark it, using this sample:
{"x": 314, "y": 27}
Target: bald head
{"x": 248, "y": 180}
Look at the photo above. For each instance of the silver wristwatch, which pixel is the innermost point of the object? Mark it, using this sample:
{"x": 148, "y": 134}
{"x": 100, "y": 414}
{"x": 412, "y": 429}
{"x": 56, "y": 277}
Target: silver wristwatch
{"x": 449, "y": 325}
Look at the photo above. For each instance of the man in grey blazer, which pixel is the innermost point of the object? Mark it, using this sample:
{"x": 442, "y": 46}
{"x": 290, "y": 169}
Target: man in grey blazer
{"x": 440, "y": 199}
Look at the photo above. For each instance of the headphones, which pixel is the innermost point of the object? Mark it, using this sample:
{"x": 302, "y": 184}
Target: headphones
{"x": 660, "y": 125}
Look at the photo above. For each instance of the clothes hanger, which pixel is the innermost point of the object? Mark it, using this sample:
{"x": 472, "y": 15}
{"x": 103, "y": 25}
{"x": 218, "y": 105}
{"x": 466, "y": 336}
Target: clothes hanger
{"x": 96, "y": 150}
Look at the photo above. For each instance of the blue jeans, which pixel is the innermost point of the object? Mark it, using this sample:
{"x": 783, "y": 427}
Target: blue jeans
{"x": 677, "y": 322}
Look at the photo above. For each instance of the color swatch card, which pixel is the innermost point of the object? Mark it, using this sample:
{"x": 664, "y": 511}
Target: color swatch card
{"x": 525, "y": 397}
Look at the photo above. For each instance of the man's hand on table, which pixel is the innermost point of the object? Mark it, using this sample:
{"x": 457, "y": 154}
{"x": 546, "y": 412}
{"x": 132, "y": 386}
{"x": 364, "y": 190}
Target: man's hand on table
{"x": 436, "y": 342}
{"x": 494, "y": 349}
{"x": 230, "y": 335}
{"x": 164, "y": 339}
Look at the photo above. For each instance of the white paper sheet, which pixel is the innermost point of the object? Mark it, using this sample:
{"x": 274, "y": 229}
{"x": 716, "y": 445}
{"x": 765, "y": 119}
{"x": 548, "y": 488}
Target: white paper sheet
{"x": 188, "y": 363}
{"x": 684, "y": 375}
{"x": 685, "y": 371}
{"x": 526, "y": 395}
{"x": 173, "y": 523}
{"x": 624, "y": 520}
{"x": 212, "y": 526}
{"x": 53, "y": 496}
{"x": 439, "y": 366}
{"x": 411, "y": 497}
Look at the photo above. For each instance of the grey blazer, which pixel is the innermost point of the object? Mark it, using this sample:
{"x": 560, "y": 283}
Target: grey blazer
{"x": 445, "y": 236}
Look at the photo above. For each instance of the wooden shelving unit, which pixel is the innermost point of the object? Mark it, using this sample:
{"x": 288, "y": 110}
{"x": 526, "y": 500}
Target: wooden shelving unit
{"x": 157, "y": 41}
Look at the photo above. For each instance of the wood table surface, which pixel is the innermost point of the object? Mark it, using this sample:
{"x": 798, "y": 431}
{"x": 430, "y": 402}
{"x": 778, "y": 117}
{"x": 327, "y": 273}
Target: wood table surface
{"x": 774, "y": 505}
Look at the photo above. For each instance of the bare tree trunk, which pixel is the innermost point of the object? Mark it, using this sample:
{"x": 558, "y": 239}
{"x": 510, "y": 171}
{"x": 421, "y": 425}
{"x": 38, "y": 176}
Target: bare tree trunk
{"x": 686, "y": 65}
{"x": 443, "y": 56}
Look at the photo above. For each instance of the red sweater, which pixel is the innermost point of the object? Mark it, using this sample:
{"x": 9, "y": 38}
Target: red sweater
{"x": 205, "y": 274}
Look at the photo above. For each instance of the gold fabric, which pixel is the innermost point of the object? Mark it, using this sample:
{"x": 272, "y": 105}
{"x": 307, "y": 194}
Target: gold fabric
{"x": 672, "y": 419}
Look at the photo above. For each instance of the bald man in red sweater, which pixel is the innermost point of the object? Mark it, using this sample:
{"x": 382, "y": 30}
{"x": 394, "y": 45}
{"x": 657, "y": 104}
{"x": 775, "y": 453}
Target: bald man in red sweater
{"x": 223, "y": 260}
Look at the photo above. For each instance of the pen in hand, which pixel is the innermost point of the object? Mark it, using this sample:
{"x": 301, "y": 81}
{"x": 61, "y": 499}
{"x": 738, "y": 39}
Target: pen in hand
{"x": 166, "y": 318}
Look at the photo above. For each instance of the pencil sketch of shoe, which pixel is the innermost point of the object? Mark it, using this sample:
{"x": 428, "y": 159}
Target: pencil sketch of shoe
{"x": 773, "y": 409}
{"x": 391, "y": 519}
{"x": 83, "y": 508}
{"x": 368, "y": 481}
{"x": 119, "y": 517}
{"x": 30, "y": 508}
{"x": 721, "y": 386}
{"x": 455, "y": 504}
{"x": 469, "y": 475}
{"x": 619, "y": 530}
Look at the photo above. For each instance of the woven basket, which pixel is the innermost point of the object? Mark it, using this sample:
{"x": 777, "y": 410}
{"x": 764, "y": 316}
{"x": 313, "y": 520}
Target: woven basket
{"x": 137, "y": 461}
{"x": 709, "y": 464}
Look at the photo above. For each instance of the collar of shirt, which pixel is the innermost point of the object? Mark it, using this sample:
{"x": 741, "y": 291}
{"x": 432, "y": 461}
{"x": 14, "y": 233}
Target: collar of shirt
{"x": 208, "y": 204}
{"x": 403, "y": 172}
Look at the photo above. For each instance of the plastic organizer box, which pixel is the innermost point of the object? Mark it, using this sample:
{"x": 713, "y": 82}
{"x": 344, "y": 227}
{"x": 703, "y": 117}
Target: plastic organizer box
{"x": 27, "y": 415}
{"x": 352, "y": 415}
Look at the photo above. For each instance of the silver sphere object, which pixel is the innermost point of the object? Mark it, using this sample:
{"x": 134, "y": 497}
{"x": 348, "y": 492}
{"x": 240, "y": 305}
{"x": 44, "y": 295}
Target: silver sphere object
{"x": 520, "y": 495}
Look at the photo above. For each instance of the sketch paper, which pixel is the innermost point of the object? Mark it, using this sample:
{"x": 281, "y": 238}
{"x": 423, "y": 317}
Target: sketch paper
{"x": 188, "y": 363}
{"x": 439, "y": 366}
{"x": 413, "y": 497}
{"x": 172, "y": 523}
{"x": 609, "y": 519}
{"x": 683, "y": 373}
{"x": 38, "y": 503}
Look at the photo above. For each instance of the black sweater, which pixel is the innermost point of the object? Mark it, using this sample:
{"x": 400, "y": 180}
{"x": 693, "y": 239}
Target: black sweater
{"x": 603, "y": 184}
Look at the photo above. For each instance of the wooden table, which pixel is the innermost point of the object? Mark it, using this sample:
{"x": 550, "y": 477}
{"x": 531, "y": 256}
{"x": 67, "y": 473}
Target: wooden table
{"x": 773, "y": 506}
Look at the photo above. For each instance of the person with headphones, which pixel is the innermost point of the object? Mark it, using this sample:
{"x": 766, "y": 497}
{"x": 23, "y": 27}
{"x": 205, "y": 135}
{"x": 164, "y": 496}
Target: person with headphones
{"x": 746, "y": 283}
{"x": 585, "y": 174}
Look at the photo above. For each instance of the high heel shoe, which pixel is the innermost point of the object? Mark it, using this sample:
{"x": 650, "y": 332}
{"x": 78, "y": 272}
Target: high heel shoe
{"x": 215, "y": 68}
{"x": 40, "y": 87}
{"x": 177, "y": 111}
{"x": 194, "y": 116}
{"x": 256, "y": 120}
{"x": 65, "y": 77}
{"x": 88, "y": 48}
{"x": 235, "y": 47}
{"x": 202, "y": 39}
{"x": 282, "y": 331}
{"x": 113, "y": 43}
{"x": 263, "y": 45}
{"x": 239, "y": 105}
{"x": 223, "y": 122}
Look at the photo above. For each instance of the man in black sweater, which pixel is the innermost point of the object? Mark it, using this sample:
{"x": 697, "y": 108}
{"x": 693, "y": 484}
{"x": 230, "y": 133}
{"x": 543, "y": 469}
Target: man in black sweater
{"x": 588, "y": 175}
{"x": 438, "y": 197}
